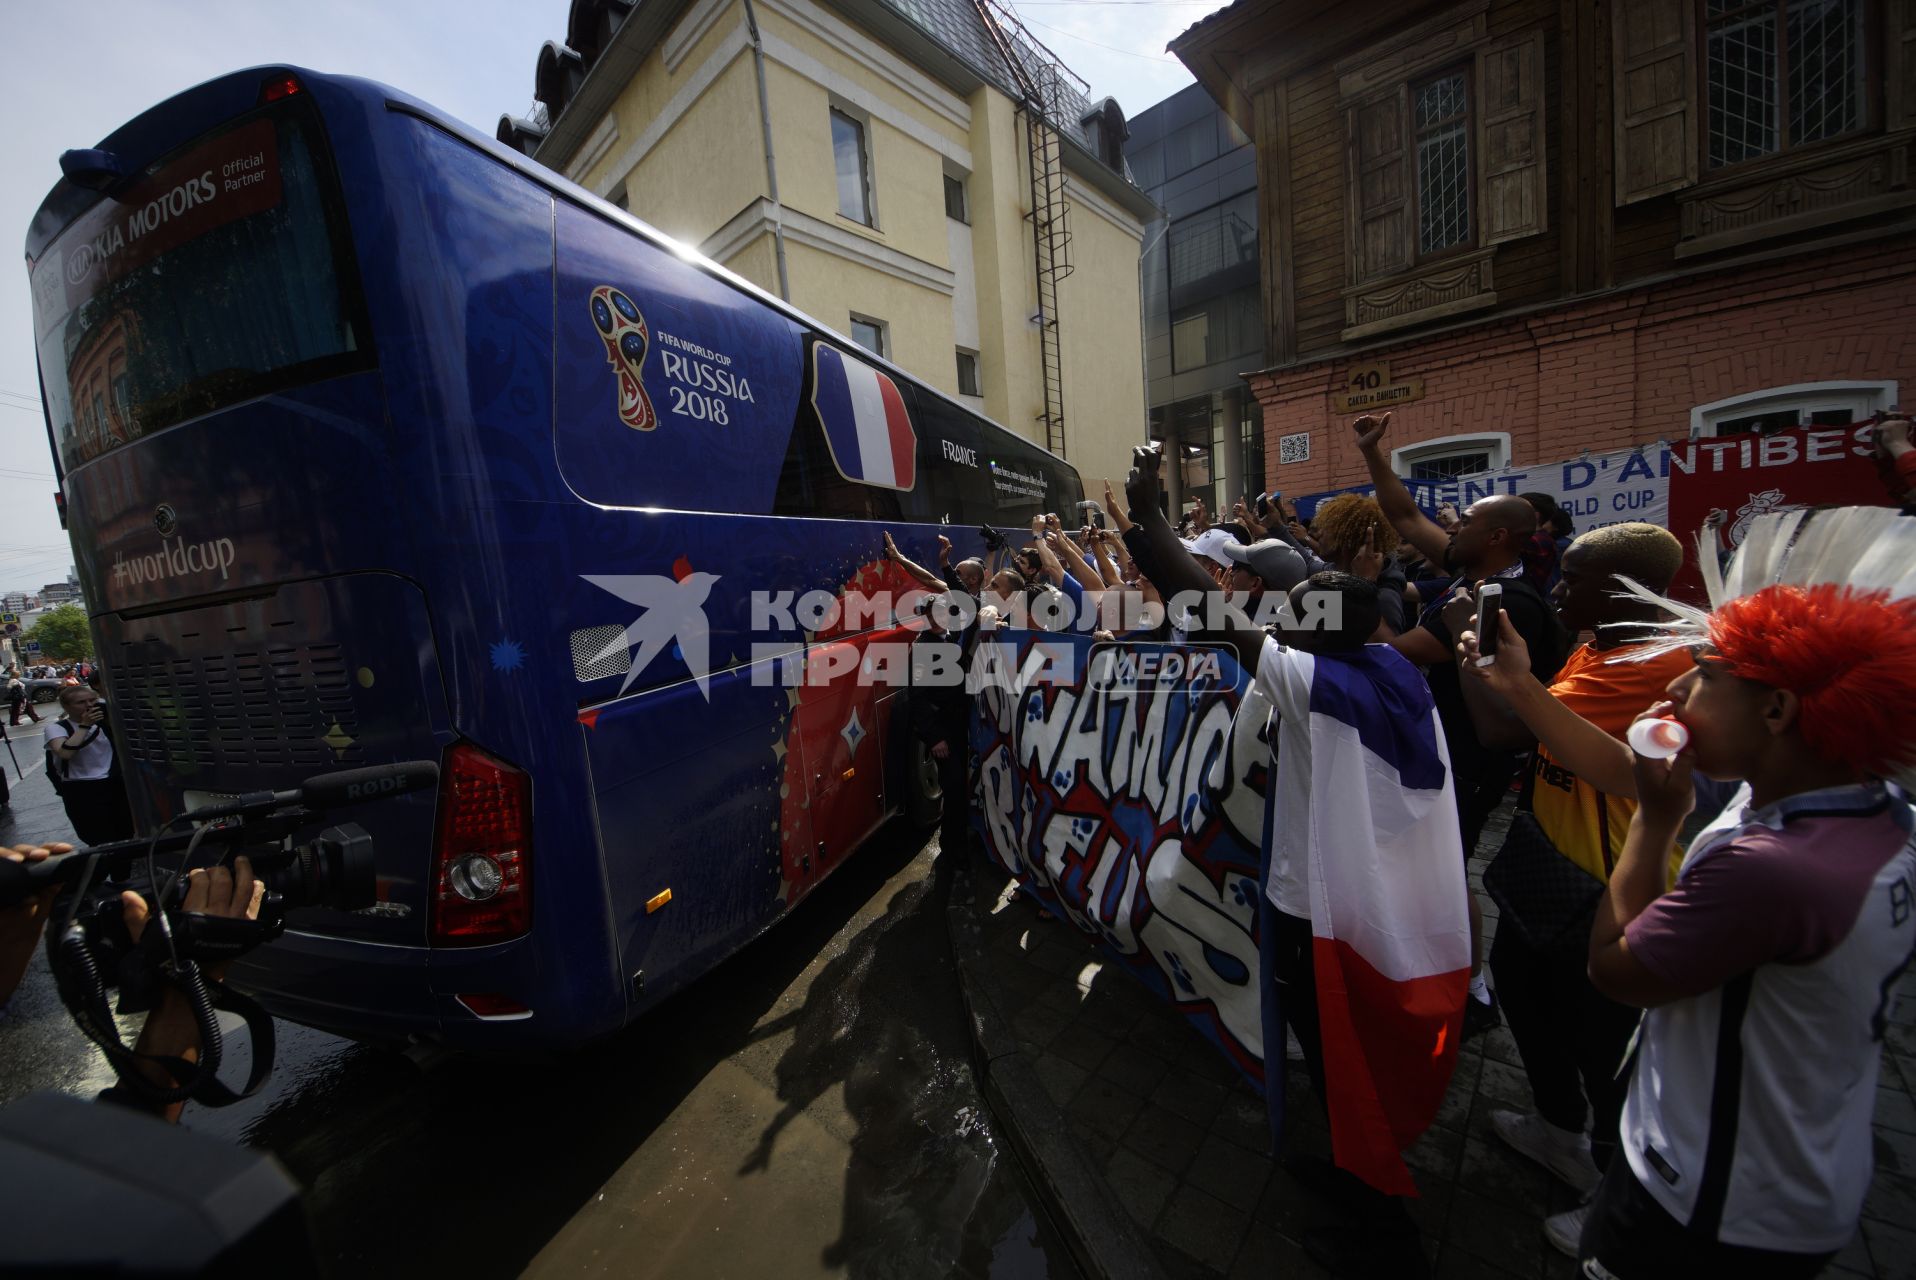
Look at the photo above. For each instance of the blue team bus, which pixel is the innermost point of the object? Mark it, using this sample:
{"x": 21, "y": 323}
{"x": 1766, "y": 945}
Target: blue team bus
{"x": 379, "y": 442}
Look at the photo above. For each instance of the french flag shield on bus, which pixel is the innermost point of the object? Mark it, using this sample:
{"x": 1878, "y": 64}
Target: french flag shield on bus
{"x": 866, "y": 423}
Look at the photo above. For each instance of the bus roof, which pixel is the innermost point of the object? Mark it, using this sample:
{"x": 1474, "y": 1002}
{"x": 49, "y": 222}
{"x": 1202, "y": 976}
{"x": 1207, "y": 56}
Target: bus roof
{"x": 168, "y": 125}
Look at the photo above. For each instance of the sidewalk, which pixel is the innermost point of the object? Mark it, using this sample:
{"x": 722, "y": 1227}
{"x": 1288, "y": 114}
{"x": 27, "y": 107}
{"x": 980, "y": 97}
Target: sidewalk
{"x": 1153, "y": 1150}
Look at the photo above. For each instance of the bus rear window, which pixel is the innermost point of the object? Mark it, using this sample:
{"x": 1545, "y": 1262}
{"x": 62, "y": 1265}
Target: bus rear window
{"x": 220, "y": 275}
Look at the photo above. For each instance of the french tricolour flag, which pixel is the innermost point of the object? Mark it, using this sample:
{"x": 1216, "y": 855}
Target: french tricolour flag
{"x": 1389, "y": 923}
{"x": 865, "y": 420}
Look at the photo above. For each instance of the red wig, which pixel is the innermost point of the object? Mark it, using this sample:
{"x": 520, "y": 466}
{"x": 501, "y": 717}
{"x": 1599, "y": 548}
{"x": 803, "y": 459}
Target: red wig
{"x": 1849, "y": 656}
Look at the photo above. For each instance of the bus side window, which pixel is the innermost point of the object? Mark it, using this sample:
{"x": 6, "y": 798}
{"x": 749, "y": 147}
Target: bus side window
{"x": 953, "y": 485}
{"x": 809, "y": 484}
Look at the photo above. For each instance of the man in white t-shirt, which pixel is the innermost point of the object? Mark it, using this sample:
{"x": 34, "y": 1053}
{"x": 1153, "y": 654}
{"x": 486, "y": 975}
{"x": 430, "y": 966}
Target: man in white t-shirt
{"x": 1769, "y": 968}
{"x": 82, "y": 765}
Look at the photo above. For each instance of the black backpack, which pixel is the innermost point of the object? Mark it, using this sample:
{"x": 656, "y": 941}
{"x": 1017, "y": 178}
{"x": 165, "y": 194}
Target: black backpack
{"x": 56, "y": 767}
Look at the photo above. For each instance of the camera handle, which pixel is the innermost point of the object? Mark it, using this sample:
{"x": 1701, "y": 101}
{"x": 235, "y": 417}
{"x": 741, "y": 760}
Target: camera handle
{"x": 85, "y": 996}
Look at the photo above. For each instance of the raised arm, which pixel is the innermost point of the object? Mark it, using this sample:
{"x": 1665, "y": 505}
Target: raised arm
{"x": 1163, "y": 559}
{"x": 1074, "y": 562}
{"x": 1246, "y": 511}
{"x": 1579, "y": 746}
{"x": 1101, "y": 552}
{"x": 930, "y": 580}
{"x": 1416, "y": 528}
{"x": 1497, "y": 725}
{"x": 1119, "y": 516}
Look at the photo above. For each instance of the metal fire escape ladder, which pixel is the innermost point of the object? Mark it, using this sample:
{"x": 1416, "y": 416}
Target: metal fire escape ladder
{"x": 1041, "y": 81}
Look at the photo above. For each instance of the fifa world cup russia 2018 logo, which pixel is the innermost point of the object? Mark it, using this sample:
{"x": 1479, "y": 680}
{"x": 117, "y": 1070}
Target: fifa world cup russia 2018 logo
{"x": 626, "y": 340}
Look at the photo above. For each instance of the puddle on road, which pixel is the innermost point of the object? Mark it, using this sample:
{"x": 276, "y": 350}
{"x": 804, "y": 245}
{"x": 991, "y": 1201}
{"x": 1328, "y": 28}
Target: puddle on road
{"x": 854, "y": 1142}
{"x": 807, "y": 1109}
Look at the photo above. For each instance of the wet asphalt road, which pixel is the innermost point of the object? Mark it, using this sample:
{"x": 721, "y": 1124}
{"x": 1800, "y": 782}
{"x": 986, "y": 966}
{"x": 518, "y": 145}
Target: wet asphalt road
{"x": 807, "y": 1109}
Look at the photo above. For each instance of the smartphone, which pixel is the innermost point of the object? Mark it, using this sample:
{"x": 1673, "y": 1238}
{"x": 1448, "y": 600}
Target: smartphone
{"x": 1490, "y": 617}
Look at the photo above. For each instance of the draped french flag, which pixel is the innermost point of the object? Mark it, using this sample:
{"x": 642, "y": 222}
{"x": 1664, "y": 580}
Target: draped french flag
{"x": 866, "y": 423}
{"x": 1389, "y": 921}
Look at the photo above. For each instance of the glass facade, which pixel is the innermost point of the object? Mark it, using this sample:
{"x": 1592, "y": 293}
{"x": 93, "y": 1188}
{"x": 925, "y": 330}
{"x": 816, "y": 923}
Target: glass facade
{"x": 1203, "y": 311}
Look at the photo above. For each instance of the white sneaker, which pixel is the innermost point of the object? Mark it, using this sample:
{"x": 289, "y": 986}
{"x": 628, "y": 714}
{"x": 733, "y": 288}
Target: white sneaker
{"x": 1564, "y": 1230}
{"x": 1563, "y": 1153}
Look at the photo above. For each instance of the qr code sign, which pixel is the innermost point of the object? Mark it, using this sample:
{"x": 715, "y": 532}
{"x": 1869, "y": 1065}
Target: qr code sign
{"x": 1294, "y": 448}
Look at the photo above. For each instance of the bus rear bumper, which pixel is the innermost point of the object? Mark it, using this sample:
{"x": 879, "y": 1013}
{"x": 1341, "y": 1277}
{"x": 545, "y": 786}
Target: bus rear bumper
{"x": 376, "y": 991}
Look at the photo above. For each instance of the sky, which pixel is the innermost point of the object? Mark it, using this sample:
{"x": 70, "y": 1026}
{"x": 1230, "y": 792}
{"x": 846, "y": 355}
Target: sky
{"x": 473, "y": 59}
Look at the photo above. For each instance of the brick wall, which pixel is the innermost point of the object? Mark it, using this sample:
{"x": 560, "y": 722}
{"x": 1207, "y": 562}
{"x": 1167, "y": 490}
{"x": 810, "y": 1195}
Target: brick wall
{"x": 1621, "y": 369}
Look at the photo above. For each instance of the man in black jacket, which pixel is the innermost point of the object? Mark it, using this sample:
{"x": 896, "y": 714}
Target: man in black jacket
{"x": 941, "y": 714}
{"x": 1485, "y": 545}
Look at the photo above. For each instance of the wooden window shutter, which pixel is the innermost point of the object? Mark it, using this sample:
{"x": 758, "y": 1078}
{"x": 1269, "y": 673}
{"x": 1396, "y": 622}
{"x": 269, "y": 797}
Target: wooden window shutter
{"x": 1378, "y": 222}
{"x": 1900, "y": 64}
{"x": 1656, "y": 96}
{"x": 1510, "y": 140}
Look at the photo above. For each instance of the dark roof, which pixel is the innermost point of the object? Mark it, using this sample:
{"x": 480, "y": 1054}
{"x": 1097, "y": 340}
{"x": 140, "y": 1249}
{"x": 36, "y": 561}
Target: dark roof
{"x": 956, "y": 26}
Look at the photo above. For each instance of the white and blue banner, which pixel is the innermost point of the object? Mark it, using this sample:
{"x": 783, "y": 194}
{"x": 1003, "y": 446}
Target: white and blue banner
{"x": 1596, "y": 489}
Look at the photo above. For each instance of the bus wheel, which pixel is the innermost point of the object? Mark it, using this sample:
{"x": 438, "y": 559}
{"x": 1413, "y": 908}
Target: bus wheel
{"x": 924, "y": 795}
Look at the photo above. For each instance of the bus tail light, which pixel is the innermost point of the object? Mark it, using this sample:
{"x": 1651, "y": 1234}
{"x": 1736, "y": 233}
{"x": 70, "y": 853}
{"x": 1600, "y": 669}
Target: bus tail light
{"x": 482, "y": 871}
{"x": 278, "y": 87}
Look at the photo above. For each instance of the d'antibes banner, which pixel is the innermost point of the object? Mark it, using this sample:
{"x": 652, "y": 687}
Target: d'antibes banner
{"x": 1596, "y": 489}
{"x": 1129, "y": 797}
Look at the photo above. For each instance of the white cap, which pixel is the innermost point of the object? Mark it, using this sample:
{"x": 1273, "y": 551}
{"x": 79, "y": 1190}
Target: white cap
{"x": 1210, "y": 544}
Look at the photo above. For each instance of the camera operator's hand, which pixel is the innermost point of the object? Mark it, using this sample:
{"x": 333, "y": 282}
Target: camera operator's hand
{"x": 170, "y": 1031}
{"x": 22, "y": 923}
{"x": 210, "y": 891}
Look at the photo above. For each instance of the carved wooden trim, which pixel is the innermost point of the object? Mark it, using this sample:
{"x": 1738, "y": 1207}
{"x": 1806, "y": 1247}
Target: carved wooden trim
{"x": 1445, "y": 288}
{"x": 1447, "y": 36}
{"x": 1798, "y": 193}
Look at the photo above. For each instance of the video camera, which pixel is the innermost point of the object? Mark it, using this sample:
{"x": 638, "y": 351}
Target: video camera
{"x": 89, "y": 948}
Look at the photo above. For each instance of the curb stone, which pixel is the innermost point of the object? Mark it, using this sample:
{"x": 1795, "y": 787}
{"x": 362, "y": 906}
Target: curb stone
{"x": 1101, "y": 1235}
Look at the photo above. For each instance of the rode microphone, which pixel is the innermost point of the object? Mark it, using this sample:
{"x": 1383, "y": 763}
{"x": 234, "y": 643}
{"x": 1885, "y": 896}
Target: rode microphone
{"x": 328, "y": 790}
{"x": 352, "y": 786}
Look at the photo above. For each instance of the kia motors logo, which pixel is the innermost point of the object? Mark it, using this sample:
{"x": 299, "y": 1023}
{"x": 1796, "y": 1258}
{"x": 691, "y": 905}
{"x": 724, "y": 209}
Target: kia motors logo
{"x": 80, "y": 265}
{"x": 166, "y": 520}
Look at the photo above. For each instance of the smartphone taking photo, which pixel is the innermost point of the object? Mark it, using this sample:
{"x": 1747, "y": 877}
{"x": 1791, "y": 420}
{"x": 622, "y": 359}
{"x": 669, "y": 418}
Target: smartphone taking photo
{"x": 1490, "y": 621}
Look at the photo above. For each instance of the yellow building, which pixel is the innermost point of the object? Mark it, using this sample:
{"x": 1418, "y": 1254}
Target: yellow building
{"x": 917, "y": 175}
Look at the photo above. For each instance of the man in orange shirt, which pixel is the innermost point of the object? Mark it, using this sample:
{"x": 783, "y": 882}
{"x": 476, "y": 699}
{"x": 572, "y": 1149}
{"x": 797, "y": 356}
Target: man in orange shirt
{"x": 1580, "y": 801}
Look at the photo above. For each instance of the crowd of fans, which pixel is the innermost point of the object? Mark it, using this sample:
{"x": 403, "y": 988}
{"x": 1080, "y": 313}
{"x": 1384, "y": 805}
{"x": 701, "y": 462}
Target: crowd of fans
{"x": 1697, "y": 1000}
{"x": 1698, "y": 1018}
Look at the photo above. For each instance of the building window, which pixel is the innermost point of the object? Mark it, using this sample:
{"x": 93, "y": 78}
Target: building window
{"x": 1805, "y": 404}
{"x": 968, "y": 373}
{"x": 1440, "y": 111}
{"x": 1191, "y": 341}
{"x": 1781, "y": 74}
{"x": 869, "y": 334}
{"x": 1205, "y": 246}
{"x": 955, "y": 207}
{"x": 1450, "y": 456}
{"x": 851, "y": 161}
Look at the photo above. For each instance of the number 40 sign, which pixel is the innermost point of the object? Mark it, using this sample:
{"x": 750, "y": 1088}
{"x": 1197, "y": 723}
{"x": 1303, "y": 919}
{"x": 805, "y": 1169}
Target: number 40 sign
{"x": 1369, "y": 387}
